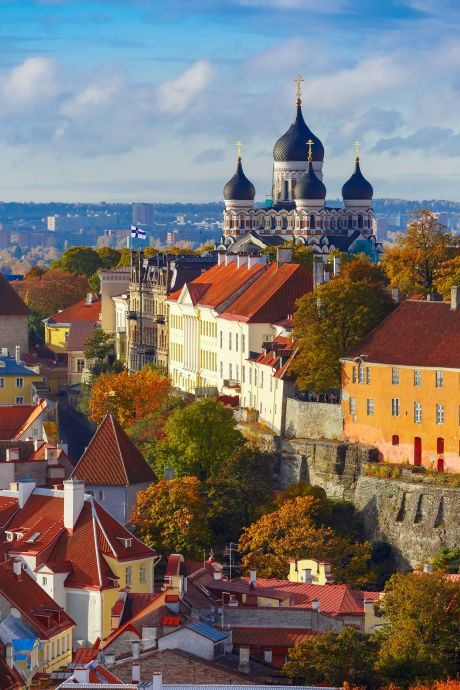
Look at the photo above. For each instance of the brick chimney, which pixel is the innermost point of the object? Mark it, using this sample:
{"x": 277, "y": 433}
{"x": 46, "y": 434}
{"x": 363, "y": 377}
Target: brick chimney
{"x": 25, "y": 489}
{"x": 74, "y": 498}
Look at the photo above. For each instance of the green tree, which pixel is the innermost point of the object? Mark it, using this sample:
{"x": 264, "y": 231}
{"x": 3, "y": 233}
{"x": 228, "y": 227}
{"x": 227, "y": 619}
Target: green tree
{"x": 333, "y": 659}
{"x": 293, "y": 530}
{"x": 240, "y": 492}
{"x": 98, "y": 347}
{"x": 199, "y": 438}
{"x": 413, "y": 264}
{"x": 109, "y": 257}
{"x": 80, "y": 260}
{"x": 421, "y": 640}
{"x": 170, "y": 517}
{"x": 330, "y": 321}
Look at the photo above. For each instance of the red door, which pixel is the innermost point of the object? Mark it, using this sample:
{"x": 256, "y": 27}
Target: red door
{"x": 417, "y": 451}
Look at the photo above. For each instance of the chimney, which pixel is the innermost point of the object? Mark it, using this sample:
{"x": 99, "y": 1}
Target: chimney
{"x": 17, "y": 567}
{"x": 81, "y": 674}
{"x": 136, "y": 673}
{"x": 257, "y": 259}
{"x": 18, "y": 354}
{"x": 109, "y": 659}
{"x": 12, "y": 455}
{"x": 9, "y": 654}
{"x": 157, "y": 680}
{"x": 37, "y": 443}
{"x": 395, "y": 295}
{"x": 136, "y": 648}
{"x": 455, "y": 297}
{"x": 315, "y": 605}
{"x": 51, "y": 455}
{"x": 64, "y": 447}
{"x": 284, "y": 255}
{"x": 243, "y": 666}
{"x": 89, "y": 298}
{"x": 220, "y": 258}
{"x": 306, "y": 576}
{"x": 241, "y": 260}
{"x": 74, "y": 497}
{"x": 253, "y": 578}
{"x": 25, "y": 489}
{"x": 230, "y": 258}
{"x": 218, "y": 575}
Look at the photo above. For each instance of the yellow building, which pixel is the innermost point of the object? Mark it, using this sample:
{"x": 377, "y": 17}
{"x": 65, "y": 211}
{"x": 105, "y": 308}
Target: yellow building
{"x": 310, "y": 571}
{"x": 17, "y": 381}
{"x": 401, "y": 386}
{"x": 57, "y": 326}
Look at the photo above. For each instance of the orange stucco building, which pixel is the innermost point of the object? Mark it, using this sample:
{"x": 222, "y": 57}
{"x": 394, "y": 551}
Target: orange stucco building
{"x": 401, "y": 385}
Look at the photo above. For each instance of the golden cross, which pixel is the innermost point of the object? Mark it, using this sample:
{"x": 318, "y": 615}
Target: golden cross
{"x": 238, "y": 148}
{"x": 310, "y": 143}
{"x": 357, "y": 145}
{"x": 298, "y": 81}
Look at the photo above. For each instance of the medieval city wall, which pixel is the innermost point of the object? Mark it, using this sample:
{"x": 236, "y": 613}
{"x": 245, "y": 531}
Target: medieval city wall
{"x": 313, "y": 420}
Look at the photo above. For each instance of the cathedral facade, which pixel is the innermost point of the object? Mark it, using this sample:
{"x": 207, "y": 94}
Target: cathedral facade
{"x": 297, "y": 210}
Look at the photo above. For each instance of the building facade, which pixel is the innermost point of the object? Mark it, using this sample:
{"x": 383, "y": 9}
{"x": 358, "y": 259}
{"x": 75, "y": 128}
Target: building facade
{"x": 14, "y": 319}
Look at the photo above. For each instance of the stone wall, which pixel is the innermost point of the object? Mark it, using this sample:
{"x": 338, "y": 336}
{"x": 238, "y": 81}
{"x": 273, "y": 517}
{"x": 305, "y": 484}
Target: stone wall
{"x": 415, "y": 517}
{"x": 313, "y": 420}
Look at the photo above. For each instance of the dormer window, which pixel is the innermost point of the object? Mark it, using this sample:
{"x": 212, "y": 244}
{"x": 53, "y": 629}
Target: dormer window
{"x": 9, "y": 536}
{"x": 126, "y": 541}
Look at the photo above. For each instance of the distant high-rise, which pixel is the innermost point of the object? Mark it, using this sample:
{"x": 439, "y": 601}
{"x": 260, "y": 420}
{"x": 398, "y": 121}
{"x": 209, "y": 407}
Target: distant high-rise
{"x": 143, "y": 214}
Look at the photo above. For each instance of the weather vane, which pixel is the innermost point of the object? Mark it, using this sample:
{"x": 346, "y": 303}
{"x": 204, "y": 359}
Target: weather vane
{"x": 238, "y": 148}
{"x": 298, "y": 80}
{"x": 357, "y": 145}
{"x": 310, "y": 143}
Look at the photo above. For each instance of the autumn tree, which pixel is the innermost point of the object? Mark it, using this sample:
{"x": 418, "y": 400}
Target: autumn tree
{"x": 333, "y": 658}
{"x": 447, "y": 276}
{"x": 240, "y": 492}
{"x": 330, "y": 321}
{"x": 199, "y": 438}
{"x": 52, "y": 290}
{"x": 293, "y": 530}
{"x": 79, "y": 260}
{"x": 413, "y": 264}
{"x": 421, "y": 640}
{"x": 170, "y": 517}
{"x": 127, "y": 396}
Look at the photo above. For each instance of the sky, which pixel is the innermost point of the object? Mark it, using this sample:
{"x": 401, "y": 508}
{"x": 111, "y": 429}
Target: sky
{"x": 143, "y": 100}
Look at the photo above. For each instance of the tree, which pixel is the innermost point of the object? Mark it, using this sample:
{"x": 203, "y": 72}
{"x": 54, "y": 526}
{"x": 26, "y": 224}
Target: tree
{"x": 98, "y": 347}
{"x": 447, "y": 276}
{"x": 109, "y": 257}
{"x": 199, "y": 438}
{"x": 333, "y": 659}
{"x": 170, "y": 518}
{"x": 80, "y": 260}
{"x": 292, "y": 530}
{"x": 53, "y": 290}
{"x": 240, "y": 492}
{"x": 413, "y": 264}
{"x": 330, "y": 321}
{"x": 127, "y": 396}
{"x": 421, "y": 640}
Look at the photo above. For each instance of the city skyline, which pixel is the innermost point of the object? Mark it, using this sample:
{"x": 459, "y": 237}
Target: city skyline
{"x": 139, "y": 101}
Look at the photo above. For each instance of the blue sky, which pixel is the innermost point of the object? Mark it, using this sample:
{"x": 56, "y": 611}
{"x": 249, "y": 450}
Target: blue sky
{"x": 143, "y": 100}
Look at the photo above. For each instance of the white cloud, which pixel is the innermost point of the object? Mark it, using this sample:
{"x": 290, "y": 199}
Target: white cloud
{"x": 175, "y": 95}
{"x": 91, "y": 99}
{"x": 33, "y": 80}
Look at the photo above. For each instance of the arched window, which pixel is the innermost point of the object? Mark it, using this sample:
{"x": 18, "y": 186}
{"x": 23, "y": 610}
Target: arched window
{"x": 350, "y": 221}
{"x": 312, "y": 221}
{"x": 360, "y": 220}
{"x": 286, "y": 190}
{"x": 333, "y": 223}
{"x": 241, "y": 221}
{"x": 284, "y": 223}
{"x": 273, "y": 222}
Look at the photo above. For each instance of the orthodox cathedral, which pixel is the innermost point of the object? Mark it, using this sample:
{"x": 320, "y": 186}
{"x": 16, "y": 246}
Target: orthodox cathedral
{"x": 297, "y": 210}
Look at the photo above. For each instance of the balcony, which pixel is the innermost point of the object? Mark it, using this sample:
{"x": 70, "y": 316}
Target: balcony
{"x": 132, "y": 315}
{"x": 160, "y": 319}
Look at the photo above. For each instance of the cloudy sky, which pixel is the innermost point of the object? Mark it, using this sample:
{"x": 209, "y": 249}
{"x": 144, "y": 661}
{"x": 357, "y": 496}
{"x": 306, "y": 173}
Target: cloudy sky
{"x": 143, "y": 100}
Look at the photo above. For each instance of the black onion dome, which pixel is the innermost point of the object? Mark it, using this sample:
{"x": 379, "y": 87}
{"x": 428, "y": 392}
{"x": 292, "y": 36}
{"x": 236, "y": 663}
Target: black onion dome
{"x": 239, "y": 187}
{"x": 310, "y": 186}
{"x": 357, "y": 187}
{"x": 292, "y": 146}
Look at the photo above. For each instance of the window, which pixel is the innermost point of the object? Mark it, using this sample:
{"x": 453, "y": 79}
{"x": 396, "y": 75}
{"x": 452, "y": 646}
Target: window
{"x": 255, "y": 377}
{"x": 370, "y": 407}
{"x": 221, "y": 370}
{"x": 2, "y": 383}
{"x": 142, "y": 574}
{"x": 439, "y": 379}
{"x": 418, "y": 412}
{"x": 221, "y": 340}
{"x": 128, "y": 575}
{"x": 243, "y": 343}
{"x": 236, "y": 342}
{"x": 439, "y": 413}
{"x": 250, "y": 377}
{"x": 417, "y": 377}
{"x": 395, "y": 407}
{"x": 352, "y": 406}
{"x": 360, "y": 372}
{"x": 230, "y": 371}
{"x": 80, "y": 365}
{"x": 353, "y": 375}
{"x": 243, "y": 374}
{"x": 44, "y": 580}
{"x": 368, "y": 375}
{"x": 229, "y": 341}
{"x": 237, "y": 372}
{"x": 395, "y": 440}
{"x": 19, "y": 400}
{"x": 262, "y": 379}
{"x": 19, "y": 382}
{"x": 100, "y": 495}
{"x": 394, "y": 375}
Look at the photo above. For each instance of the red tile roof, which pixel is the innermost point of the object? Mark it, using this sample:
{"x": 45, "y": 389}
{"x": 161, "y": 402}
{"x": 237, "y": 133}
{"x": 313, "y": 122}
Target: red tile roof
{"x": 39, "y": 609}
{"x": 173, "y": 565}
{"x": 80, "y": 552}
{"x": 280, "y": 355}
{"x": 221, "y": 282}
{"x": 111, "y": 458}
{"x": 416, "y": 333}
{"x": 81, "y": 311}
{"x": 10, "y": 679}
{"x": 273, "y": 296}
{"x": 16, "y": 419}
{"x": 271, "y": 637}
{"x": 10, "y": 302}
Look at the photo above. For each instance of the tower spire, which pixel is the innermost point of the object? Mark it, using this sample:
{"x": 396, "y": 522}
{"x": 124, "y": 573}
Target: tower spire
{"x": 310, "y": 143}
{"x": 239, "y": 144}
{"x": 357, "y": 145}
{"x": 298, "y": 80}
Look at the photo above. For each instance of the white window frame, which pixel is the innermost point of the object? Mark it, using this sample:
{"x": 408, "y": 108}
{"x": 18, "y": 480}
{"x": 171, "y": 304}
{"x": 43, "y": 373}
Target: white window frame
{"x": 394, "y": 376}
{"x": 418, "y": 412}
{"x": 439, "y": 413}
{"x": 395, "y": 407}
{"x": 439, "y": 378}
{"x": 370, "y": 407}
{"x": 19, "y": 382}
{"x": 417, "y": 377}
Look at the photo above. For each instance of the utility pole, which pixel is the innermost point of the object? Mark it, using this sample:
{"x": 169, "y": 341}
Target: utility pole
{"x": 229, "y": 551}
